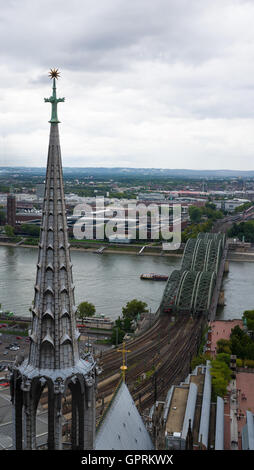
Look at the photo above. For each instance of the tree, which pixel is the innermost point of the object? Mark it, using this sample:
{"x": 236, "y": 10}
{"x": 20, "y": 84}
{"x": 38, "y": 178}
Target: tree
{"x": 30, "y": 229}
{"x": 195, "y": 214}
{"x": 223, "y": 346}
{"x": 211, "y": 205}
{"x": 2, "y": 217}
{"x": 85, "y": 309}
{"x": 9, "y": 230}
{"x": 133, "y": 308}
{"x": 244, "y": 229}
{"x": 223, "y": 357}
{"x": 200, "y": 359}
{"x": 249, "y": 316}
{"x": 117, "y": 335}
{"x": 241, "y": 344}
{"x": 221, "y": 375}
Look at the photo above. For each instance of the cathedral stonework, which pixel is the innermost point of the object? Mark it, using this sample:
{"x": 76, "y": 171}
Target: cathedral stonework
{"x": 54, "y": 364}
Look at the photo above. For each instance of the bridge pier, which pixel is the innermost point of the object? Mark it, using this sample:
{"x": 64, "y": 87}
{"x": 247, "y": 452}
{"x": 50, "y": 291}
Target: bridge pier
{"x": 226, "y": 266}
{"x": 221, "y": 299}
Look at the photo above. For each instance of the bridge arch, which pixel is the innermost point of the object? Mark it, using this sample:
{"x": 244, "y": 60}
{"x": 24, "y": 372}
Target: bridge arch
{"x": 204, "y": 291}
{"x": 191, "y": 288}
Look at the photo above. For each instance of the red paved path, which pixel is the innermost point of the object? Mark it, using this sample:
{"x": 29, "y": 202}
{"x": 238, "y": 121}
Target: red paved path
{"x": 221, "y": 329}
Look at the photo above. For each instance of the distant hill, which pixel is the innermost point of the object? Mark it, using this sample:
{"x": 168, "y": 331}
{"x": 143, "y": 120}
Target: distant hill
{"x": 131, "y": 172}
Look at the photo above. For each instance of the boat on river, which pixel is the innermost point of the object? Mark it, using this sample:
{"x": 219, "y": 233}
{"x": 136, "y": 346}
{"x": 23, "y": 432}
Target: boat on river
{"x": 154, "y": 277}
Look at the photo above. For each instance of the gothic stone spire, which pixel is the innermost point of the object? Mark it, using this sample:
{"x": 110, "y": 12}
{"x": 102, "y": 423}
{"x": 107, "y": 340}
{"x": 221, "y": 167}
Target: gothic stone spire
{"x": 54, "y": 335}
{"x": 54, "y": 354}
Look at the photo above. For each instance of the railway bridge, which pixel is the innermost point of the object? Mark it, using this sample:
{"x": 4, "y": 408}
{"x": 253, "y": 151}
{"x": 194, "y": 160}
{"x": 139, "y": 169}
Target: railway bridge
{"x": 161, "y": 356}
{"x": 195, "y": 287}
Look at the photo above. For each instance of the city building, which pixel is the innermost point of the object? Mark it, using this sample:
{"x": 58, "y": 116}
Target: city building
{"x": 40, "y": 188}
{"x": 248, "y": 432}
{"x": 229, "y": 204}
{"x": 151, "y": 197}
{"x": 187, "y": 413}
{"x": 11, "y": 210}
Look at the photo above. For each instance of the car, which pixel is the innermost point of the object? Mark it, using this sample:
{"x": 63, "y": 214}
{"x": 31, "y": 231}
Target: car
{"x": 5, "y": 352}
{"x": 18, "y": 337}
{"x": 4, "y": 384}
{"x": 14, "y": 348}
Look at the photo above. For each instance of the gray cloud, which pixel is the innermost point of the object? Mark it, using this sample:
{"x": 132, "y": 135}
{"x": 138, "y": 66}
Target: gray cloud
{"x": 146, "y": 80}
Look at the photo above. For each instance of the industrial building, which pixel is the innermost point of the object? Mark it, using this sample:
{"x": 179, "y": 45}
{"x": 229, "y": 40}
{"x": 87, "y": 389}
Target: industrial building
{"x": 248, "y": 432}
{"x": 188, "y": 410}
{"x": 11, "y": 210}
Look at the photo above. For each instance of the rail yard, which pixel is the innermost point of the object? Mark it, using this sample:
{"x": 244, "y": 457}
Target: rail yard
{"x": 158, "y": 358}
{"x": 162, "y": 355}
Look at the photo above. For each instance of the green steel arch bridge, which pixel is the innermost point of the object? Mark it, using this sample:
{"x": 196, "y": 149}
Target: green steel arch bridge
{"x": 194, "y": 288}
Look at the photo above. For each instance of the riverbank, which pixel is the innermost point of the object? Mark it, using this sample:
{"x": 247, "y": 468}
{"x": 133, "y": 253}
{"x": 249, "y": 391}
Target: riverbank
{"x": 134, "y": 250}
{"x": 240, "y": 256}
{"x": 122, "y": 249}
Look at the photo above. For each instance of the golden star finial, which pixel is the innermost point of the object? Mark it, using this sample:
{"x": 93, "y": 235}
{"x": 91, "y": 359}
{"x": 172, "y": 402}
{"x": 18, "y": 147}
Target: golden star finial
{"x": 54, "y": 73}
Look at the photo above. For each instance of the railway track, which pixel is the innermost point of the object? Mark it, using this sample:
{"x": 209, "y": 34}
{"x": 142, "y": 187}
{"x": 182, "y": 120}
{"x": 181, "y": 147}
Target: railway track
{"x": 170, "y": 372}
{"x": 142, "y": 350}
{"x": 163, "y": 353}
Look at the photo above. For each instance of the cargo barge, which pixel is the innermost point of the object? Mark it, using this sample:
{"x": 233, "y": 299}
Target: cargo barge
{"x": 154, "y": 277}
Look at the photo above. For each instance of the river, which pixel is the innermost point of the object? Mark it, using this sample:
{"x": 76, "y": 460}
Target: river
{"x": 109, "y": 281}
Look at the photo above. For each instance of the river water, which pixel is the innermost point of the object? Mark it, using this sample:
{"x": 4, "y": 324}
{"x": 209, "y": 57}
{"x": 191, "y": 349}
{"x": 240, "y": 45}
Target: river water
{"x": 109, "y": 281}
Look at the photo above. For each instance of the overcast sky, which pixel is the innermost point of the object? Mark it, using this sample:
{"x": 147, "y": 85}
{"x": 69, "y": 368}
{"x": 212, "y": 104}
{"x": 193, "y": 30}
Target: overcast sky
{"x": 147, "y": 83}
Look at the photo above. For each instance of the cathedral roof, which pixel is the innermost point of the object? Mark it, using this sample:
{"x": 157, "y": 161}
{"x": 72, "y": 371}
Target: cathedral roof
{"x": 122, "y": 427}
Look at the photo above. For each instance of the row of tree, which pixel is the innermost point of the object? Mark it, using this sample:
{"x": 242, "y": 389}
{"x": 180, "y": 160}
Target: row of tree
{"x": 125, "y": 324}
{"x": 202, "y": 220}
{"x": 240, "y": 344}
{"x": 243, "y": 231}
{"x": 209, "y": 211}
